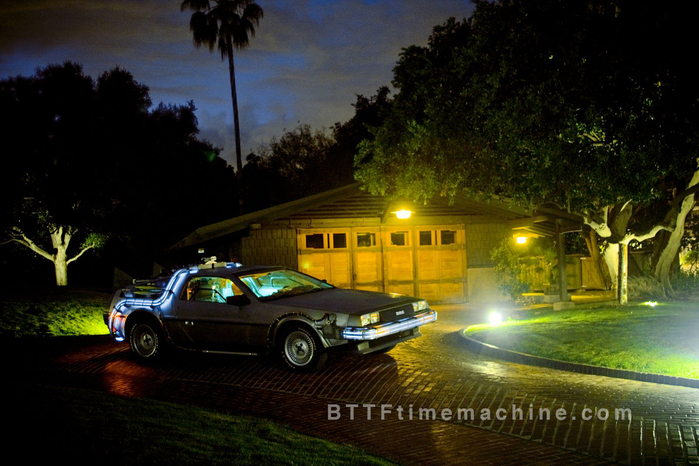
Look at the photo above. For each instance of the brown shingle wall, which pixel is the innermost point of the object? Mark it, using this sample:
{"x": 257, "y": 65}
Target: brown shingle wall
{"x": 481, "y": 238}
{"x": 270, "y": 247}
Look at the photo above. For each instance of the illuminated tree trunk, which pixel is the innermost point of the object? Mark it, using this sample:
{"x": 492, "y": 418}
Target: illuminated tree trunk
{"x": 611, "y": 259}
{"x": 598, "y": 267}
{"x": 667, "y": 249}
{"x": 60, "y": 242}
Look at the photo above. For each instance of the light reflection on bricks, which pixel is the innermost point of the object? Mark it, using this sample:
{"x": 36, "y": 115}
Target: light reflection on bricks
{"x": 437, "y": 371}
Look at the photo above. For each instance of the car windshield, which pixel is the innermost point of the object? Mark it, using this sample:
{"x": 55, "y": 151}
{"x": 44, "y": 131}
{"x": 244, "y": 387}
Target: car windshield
{"x": 277, "y": 284}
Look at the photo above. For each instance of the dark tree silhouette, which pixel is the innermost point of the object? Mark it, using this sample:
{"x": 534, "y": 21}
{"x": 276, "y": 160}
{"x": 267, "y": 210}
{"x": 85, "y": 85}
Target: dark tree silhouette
{"x": 87, "y": 160}
{"x": 226, "y": 25}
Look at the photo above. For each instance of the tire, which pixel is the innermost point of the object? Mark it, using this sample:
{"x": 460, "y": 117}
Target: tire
{"x": 146, "y": 340}
{"x": 301, "y": 350}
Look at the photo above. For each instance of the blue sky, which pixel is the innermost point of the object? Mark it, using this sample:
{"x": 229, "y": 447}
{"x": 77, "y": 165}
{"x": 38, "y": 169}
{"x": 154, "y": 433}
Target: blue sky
{"x": 307, "y": 63}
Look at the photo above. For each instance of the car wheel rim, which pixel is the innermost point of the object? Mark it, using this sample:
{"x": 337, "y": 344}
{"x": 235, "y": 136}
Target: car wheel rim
{"x": 299, "y": 348}
{"x": 145, "y": 341}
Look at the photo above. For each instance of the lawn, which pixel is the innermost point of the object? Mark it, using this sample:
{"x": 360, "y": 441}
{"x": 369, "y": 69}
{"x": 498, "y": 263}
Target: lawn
{"x": 84, "y": 427}
{"x": 51, "y": 424}
{"x": 660, "y": 339}
{"x": 52, "y": 312}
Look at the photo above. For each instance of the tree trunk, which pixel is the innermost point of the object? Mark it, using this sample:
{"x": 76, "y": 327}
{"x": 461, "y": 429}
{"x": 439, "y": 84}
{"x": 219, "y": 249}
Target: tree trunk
{"x": 611, "y": 258}
{"x": 236, "y": 128}
{"x": 598, "y": 268}
{"x": 60, "y": 242}
{"x": 61, "y": 268}
{"x": 234, "y": 97}
{"x": 668, "y": 244}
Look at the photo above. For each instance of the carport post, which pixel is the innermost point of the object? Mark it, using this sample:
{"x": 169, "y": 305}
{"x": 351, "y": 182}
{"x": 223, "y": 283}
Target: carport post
{"x": 622, "y": 290}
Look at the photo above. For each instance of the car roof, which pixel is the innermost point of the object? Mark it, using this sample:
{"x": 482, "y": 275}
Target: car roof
{"x": 229, "y": 269}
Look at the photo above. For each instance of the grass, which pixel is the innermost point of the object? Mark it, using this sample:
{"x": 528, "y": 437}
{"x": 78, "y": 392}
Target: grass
{"x": 52, "y": 312}
{"x": 87, "y": 427}
{"x": 659, "y": 340}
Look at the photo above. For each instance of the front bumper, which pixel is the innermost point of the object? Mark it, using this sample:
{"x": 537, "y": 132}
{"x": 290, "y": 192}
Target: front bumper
{"x": 374, "y": 332}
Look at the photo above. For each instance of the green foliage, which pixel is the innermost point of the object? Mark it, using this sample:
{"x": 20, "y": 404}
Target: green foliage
{"x": 578, "y": 104}
{"x": 686, "y": 282}
{"x": 509, "y": 269}
{"x": 516, "y": 265}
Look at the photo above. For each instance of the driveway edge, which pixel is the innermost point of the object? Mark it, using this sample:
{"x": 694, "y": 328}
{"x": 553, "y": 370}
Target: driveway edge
{"x": 487, "y": 349}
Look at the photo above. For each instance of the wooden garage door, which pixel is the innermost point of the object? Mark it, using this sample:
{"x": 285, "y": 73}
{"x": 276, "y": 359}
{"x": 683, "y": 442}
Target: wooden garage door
{"x": 325, "y": 254}
{"x": 429, "y": 262}
{"x": 367, "y": 259}
{"x": 441, "y": 263}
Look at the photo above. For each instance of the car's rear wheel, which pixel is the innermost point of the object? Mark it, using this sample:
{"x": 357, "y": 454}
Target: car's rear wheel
{"x": 146, "y": 340}
{"x": 300, "y": 349}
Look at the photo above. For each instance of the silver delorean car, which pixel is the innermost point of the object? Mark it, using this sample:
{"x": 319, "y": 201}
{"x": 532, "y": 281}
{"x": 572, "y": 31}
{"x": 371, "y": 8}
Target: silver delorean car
{"x": 229, "y": 308}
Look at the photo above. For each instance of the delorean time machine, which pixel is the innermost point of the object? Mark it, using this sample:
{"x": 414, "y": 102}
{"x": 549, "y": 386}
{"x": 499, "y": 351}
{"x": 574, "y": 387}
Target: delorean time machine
{"x": 229, "y": 308}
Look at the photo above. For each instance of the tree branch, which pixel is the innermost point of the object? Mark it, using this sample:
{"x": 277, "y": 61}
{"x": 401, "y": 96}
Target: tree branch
{"x": 18, "y": 236}
{"x": 83, "y": 251}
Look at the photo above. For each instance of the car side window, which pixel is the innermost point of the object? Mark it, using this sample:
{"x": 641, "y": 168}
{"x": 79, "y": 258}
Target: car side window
{"x": 209, "y": 290}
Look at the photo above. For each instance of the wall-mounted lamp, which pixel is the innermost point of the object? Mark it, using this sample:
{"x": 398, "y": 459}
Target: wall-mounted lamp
{"x": 521, "y": 239}
{"x": 403, "y": 213}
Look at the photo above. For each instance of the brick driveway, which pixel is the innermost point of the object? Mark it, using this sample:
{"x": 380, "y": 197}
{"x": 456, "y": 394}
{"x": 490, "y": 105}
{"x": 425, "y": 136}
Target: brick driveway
{"x": 430, "y": 376}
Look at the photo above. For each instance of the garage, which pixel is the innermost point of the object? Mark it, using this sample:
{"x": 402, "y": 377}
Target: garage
{"x": 440, "y": 251}
{"x": 427, "y": 261}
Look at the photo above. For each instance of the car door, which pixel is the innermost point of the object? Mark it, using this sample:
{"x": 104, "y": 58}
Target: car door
{"x": 204, "y": 314}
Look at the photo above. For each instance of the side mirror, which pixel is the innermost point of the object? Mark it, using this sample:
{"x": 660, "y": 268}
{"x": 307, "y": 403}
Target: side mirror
{"x": 238, "y": 300}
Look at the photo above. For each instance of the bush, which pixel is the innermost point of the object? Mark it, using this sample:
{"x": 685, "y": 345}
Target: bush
{"x": 644, "y": 288}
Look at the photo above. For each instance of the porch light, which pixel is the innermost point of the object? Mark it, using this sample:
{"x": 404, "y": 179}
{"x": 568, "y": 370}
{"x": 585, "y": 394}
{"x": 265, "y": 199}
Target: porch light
{"x": 403, "y": 214}
{"x": 521, "y": 239}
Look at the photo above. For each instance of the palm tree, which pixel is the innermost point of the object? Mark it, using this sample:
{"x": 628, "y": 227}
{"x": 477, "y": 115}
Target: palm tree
{"x": 227, "y": 24}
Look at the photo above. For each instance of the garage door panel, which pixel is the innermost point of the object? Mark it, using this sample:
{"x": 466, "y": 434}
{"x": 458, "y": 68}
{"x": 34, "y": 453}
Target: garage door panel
{"x": 451, "y": 263}
{"x": 428, "y": 265}
{"x": 368, "y": 267}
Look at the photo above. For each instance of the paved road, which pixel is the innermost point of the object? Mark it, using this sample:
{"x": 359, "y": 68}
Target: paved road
{"x": 429, "y": 401}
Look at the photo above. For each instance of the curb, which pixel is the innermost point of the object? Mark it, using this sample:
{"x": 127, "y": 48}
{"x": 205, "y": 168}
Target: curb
{"x": 523, "y": 358}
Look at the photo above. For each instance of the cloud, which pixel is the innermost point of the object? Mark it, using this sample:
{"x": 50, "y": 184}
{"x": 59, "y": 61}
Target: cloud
{"x": 307, "y": 63}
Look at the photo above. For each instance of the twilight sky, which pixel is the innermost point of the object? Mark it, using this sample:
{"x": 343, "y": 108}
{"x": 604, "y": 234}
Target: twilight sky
{"x": 307, "y": 63}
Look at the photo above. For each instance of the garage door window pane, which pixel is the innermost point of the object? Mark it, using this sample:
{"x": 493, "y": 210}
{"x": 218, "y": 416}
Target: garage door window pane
{"x": 339, "y": 240}
{"x": 425, "y": 238}
{"x": 366, "y": 240}
{"x": 448, "y": 237}
{"x": 399, "y": 238}
{"x": 314, "y": 241}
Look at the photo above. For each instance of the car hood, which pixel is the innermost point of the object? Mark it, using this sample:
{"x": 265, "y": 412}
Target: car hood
{"x": 344, "y": 301}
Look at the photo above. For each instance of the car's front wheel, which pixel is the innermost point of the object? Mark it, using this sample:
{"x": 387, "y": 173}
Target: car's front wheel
{"x": 146, "y": 340}
{"x": 301, "y": 350}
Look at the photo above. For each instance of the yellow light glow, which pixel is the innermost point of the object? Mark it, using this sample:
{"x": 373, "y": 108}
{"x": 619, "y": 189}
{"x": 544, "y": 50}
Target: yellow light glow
{"x": 521, "y": 239}
{"x": 403, "y": 213}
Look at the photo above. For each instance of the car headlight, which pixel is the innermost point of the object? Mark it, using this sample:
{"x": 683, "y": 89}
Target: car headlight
{"x": 420, "y": 306}
{"x": 367, "y": 319}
